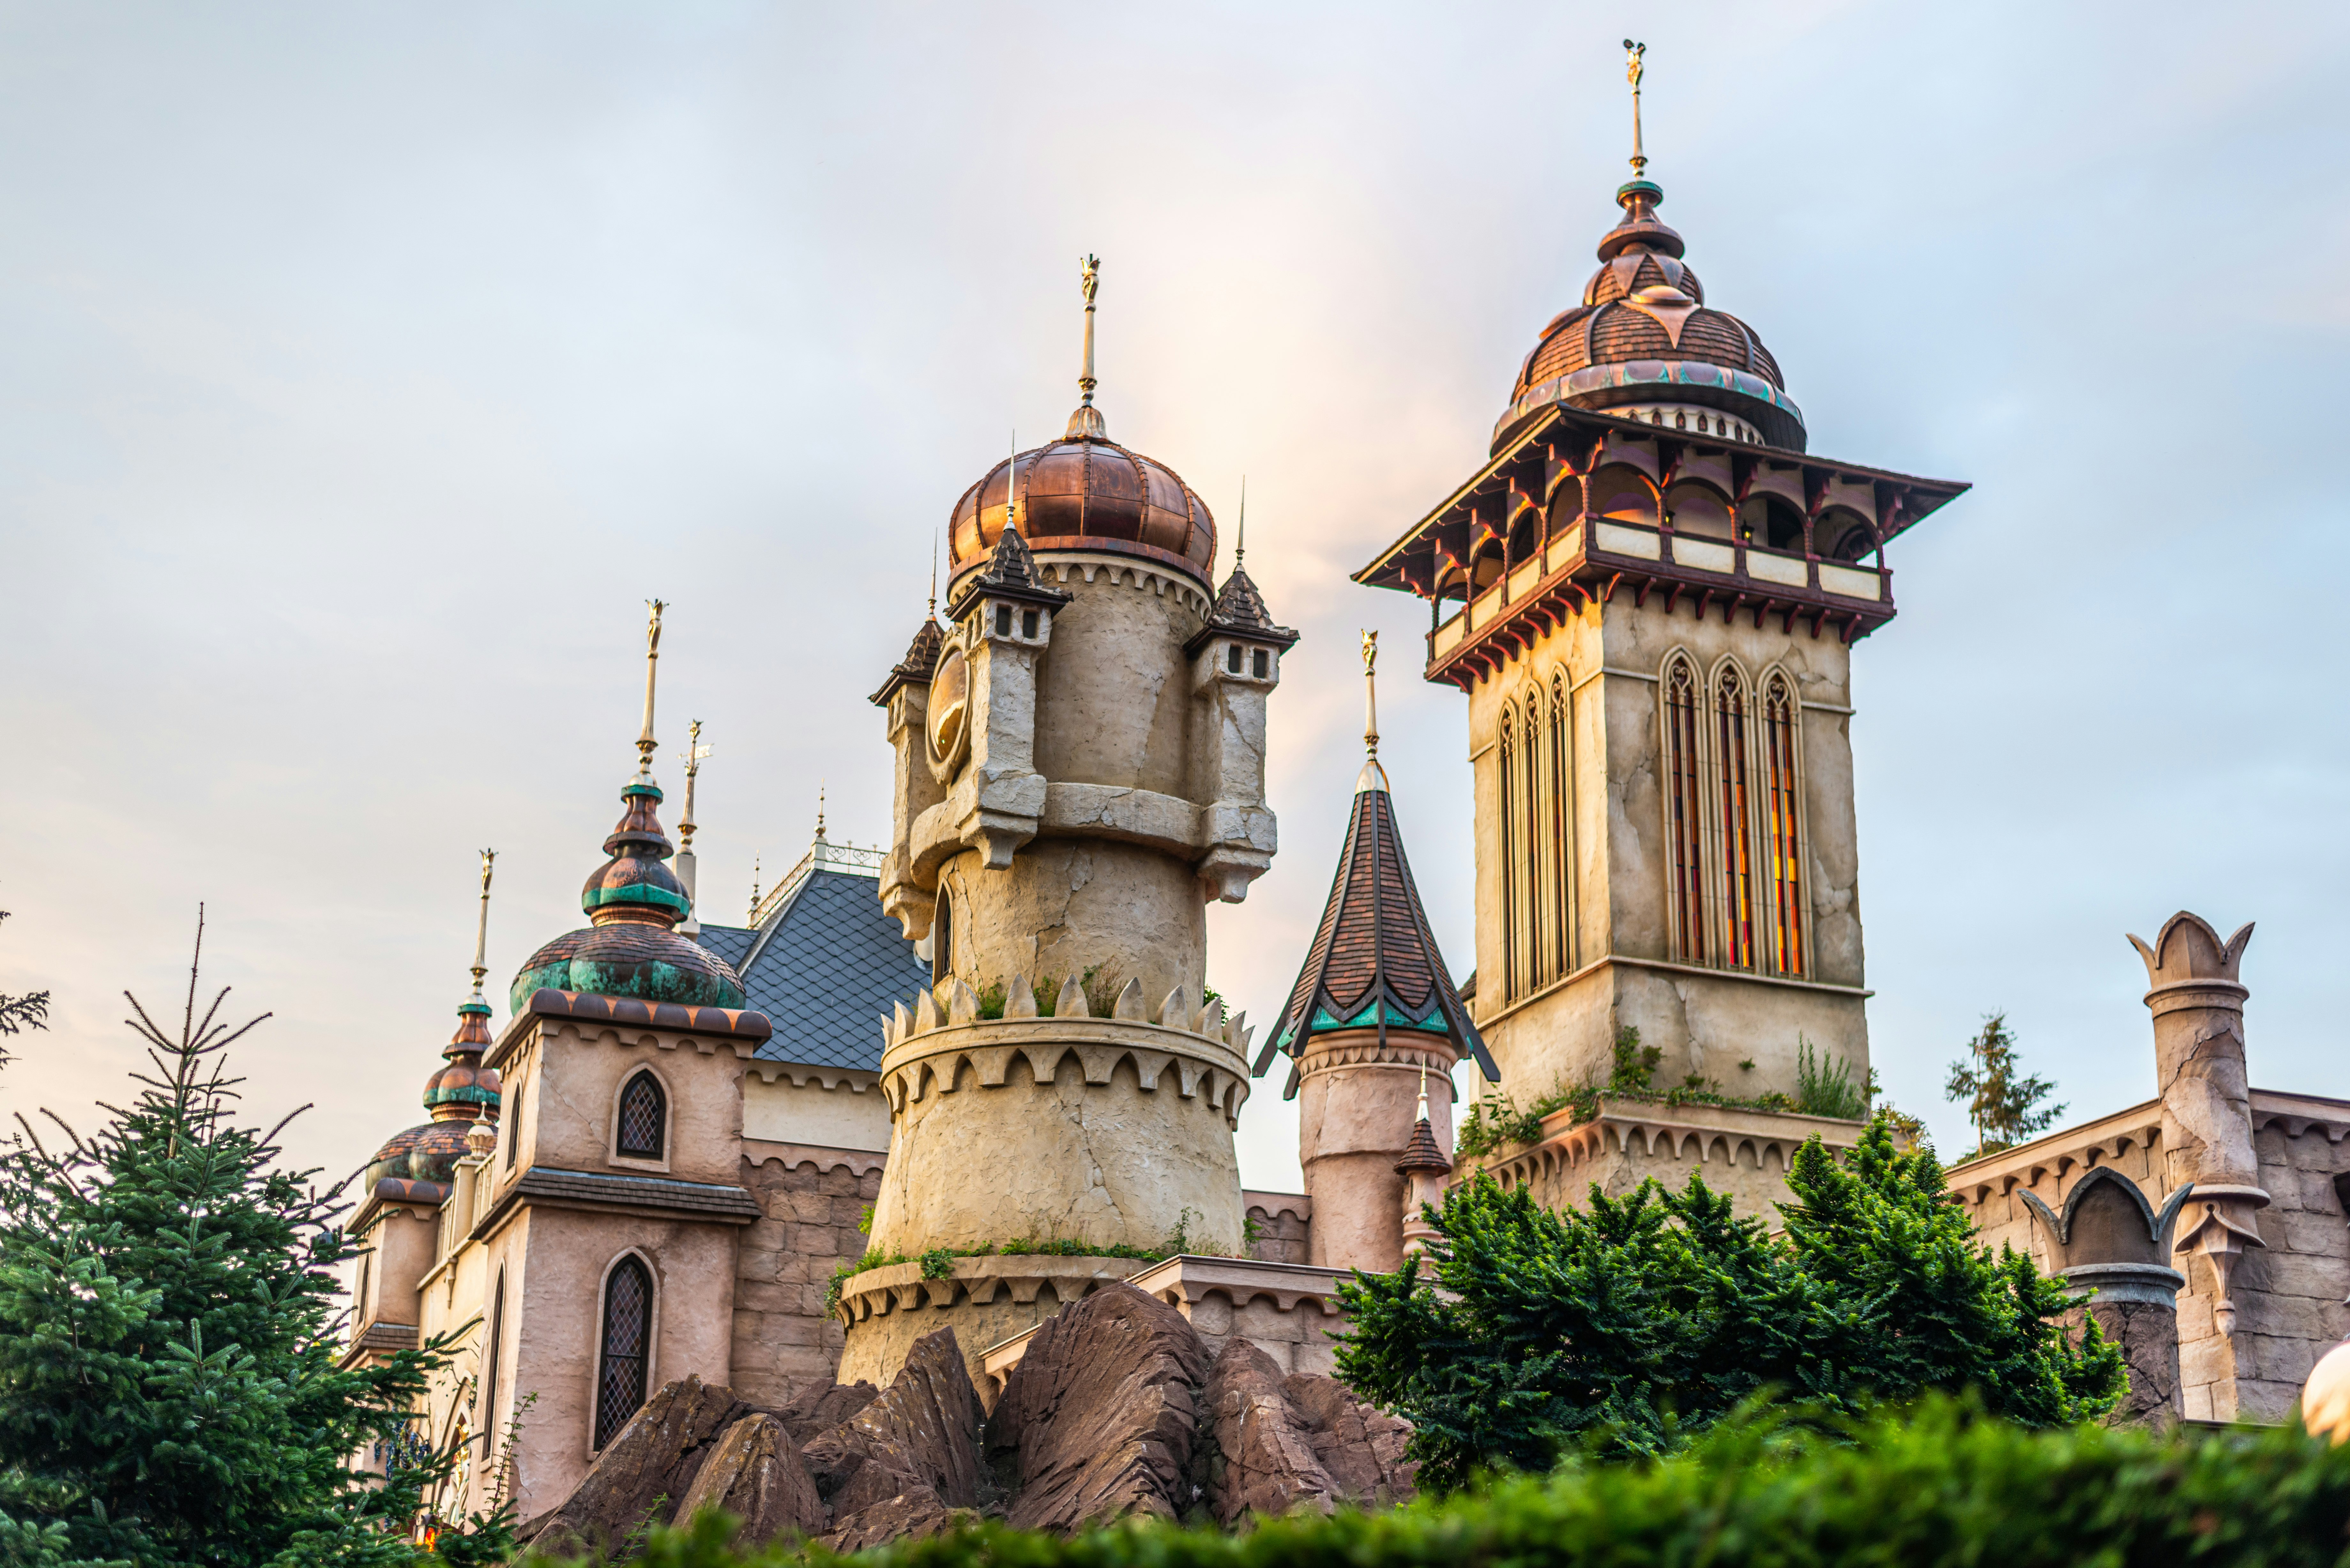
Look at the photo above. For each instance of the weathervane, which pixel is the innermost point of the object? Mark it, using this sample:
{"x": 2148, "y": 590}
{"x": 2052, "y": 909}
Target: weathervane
{"x": 646, "y": 744}
{"x": 1633, "y": 70}
{"x": 694, "y": 751}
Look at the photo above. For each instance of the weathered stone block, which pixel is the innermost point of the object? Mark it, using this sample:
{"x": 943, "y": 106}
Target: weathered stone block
{"x": 755, "y": 1473}
{"x": 814, "y": 1241}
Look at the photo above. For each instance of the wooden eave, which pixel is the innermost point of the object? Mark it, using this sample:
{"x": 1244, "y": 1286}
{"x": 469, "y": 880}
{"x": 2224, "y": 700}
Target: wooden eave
{"x": 1530, "y": 446}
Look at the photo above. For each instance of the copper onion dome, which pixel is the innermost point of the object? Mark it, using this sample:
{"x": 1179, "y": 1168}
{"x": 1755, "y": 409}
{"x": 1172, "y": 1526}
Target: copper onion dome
{"x": 1643, "y": 335}
{"x": 1084, "y": 491}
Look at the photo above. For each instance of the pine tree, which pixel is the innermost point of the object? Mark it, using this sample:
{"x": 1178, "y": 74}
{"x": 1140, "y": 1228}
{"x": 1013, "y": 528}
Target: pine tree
{"x": 1645, "y": 1319}
{"x": 2005, "y": 1110}
{"x": 169, "y": 1392}
{"x": 18, "y": 1013}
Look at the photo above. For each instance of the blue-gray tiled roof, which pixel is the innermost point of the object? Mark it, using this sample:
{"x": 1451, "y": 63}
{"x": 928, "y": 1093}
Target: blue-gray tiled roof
{"x": 833, "y": 965}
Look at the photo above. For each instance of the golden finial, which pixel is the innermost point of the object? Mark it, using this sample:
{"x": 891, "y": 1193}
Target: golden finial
{"x": 482, "y": 925}
{"x": 932, "y": 613}
{"x": 1633, "y": 70}
{"x": 753, "y": 917}
{"x": 1012, "y": 484}
{"x": 1088, "y": 419}
{"x": 694, "y": 751}
{"x": 646, "y": 744}
{"x": 820, "y": 811}
{"x": 1373, "y": 776}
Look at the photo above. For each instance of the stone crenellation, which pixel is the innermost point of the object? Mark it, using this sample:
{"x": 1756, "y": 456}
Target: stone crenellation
{"x": 812, "y": 1205}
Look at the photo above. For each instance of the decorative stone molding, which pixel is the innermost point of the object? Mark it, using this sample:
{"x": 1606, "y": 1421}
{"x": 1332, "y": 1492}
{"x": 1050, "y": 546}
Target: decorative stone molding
{"x": 928, "y": 1056}
{"x": 2111, "y": 1256}
{"x": 757, "y": 1152}
{"x": 1053, "y": 566}
{"x": 981, "y": 1282}
{"x": 1273, "y": 1205}
{"x": 1698, "y": 1134}
{"x": 2093, "y": 1144}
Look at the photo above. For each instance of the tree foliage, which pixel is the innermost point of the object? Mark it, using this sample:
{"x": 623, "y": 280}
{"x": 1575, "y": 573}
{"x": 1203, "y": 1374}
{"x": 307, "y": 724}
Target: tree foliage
{"x": 18, "y": 1013}
{"x": 2004, "y": 1107}
{"x": 1646, "y": 1318}
{"x": 169, "y": 1392}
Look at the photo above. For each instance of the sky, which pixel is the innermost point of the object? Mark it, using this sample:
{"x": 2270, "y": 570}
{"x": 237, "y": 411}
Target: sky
{"x": 369, "y": 365}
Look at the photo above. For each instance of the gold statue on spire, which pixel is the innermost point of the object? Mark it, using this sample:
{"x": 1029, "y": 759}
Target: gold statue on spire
{"x": 482, "y": 925}
{"x": 1634, "y": 69}
{"x": 1373, "y": 776}
{"x": 694, "y": 754}
{"x": 646, "y": 744}
{"x": 1087, "y": 422}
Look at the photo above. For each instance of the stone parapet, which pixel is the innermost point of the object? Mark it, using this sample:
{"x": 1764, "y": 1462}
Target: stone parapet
{"x": 1743, "y": 1152}
{"x": 1284, "y": 1223}
{"x": 984, "y": 1300}
{"x": 812, "y": 1203}
{"x": 1288, "y": 1311}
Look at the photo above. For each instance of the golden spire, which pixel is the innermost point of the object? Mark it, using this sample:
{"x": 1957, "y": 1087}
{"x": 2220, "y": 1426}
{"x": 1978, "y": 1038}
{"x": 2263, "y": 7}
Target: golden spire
{"x": 932, "y": 613}
{"x": 482, "y": 925}
{"x": 753, "y": 917}
{"x": 1012, "y": 484}
{"x": 1240, "y": 544}
{"x": 694, "y": 751}
{"x": 1088, "y": 420}
{"x": 1633, "y": 70}
{"x": 1373, "y": 776}
{"x": 646, "y": 744}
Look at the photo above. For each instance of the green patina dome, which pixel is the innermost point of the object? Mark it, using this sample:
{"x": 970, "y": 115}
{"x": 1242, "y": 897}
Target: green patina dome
{"x": 631, "y": 949}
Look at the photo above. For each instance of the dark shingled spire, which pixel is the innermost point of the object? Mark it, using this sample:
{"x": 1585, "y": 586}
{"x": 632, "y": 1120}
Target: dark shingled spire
{"x": 1240, "y": 610}
{"x": 921, "y": 659}
{"x": 1011, "y": 574}
{"x": 1421, "y": 1153}
{"x": 1374, "y": 962}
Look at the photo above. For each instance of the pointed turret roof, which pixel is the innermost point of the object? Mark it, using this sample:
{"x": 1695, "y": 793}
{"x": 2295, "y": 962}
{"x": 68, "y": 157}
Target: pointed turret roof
{"x": 1011, "y": 574}
{"x": 1240, "y": 612}
{"x": 921, "y": 659}
{"x": 1374, "y": 963}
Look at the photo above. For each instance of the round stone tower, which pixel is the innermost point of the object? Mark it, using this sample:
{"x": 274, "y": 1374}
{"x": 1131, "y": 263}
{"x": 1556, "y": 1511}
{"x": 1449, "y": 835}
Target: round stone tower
{"x": 1079, "y": 769}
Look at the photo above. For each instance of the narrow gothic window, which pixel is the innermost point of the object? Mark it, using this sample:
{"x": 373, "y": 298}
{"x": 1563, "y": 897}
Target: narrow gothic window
{"x": 1541, "y": 851}
{"x": 627, "y": 1339}
{"x": 1735, "y": 805}
{"x": 1783, "y": 750}
{"x": 1232, "y": 658}
{"x": 1511, "y": 979}
{"x": 358, "y": 1297}
{"x": 644, "y": 1114}
{"x": 514, "y": 1127}
{"x": 942, "y": 939}
{"x": 497, "y": 1345}
{"x": 1562, "y": 825}
{"x": 1264, "y": 664}
{"x": 1684, "y": 811}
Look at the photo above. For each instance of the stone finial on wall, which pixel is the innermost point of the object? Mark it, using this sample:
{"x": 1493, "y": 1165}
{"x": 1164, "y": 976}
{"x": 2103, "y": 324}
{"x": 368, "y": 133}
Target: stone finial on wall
{"x": 2197, "y": 1004}
{"x": 2109, "y": 1244}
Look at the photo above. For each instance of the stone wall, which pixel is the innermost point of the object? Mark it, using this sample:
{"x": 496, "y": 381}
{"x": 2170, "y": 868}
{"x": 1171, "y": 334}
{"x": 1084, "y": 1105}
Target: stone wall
{"x": 811, "y": 1203}
{"x": 1284, "y": 1226}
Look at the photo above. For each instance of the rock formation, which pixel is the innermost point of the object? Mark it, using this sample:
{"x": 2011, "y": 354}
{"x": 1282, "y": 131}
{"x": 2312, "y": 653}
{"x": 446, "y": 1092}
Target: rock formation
{"x": 1097, "y": 1420}
{"x": 1115, "y": 1410}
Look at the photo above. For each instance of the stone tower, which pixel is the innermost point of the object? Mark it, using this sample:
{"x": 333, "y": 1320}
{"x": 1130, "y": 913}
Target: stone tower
{"x": 1079, "y": 768}
{"x": 1372, "y": 1029}
{"x": 1649, "y": 592}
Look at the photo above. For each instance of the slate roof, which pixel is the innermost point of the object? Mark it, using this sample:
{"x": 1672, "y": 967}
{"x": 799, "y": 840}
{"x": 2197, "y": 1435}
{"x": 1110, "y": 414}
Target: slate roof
{"x": 832, "y": 964}
{"x": 1374, "y": 963}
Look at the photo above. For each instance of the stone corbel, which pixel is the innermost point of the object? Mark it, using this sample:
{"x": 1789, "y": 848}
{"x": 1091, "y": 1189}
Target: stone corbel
{"x": 2221, "y": 1233}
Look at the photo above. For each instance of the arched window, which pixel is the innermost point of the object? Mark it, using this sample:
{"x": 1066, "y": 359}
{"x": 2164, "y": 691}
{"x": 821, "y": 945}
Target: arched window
{"x": 1533, "y": 915}
{"x": 358, "y": 1297}
{"x": 513, "y": 1126}
{"x": 1511, "y": 979}
{"x": 643, "y": 1122}
{"x": 1734, "y": 817}
{"x": 1684, "y": 811}
{"x": 1783, "y": 717}
{"x": 495, "y": 1346}
{"x": 1561, "y": 827}
{"x": 1566, "y": 506}
{"x": 627, "y": 1347}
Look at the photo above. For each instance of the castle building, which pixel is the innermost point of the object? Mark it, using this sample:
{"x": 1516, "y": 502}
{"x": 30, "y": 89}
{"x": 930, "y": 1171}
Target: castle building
{"x": 965, "y": 1080}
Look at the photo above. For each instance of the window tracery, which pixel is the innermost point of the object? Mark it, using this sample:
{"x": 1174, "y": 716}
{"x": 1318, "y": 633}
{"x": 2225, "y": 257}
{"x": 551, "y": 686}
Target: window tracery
{"x": 1783, "y": 826}
{"x": 1684, "y": 811}
{"x": 626, "y": 1349}
{"x": 642, "y": 1126}
{"x": 1512, "y": 979}
{"x": 1733, "y": 777}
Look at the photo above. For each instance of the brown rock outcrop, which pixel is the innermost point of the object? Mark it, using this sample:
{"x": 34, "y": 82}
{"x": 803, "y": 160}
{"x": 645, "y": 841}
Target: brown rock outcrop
{"x": 1098, "y": 1421}
{"x": 907, "y": 1458}
{"x": 821, "y": 1409}
{"x": 755, "y": 1473}
{"x": 643, "y": 1471}
{"x": 1279, "y": 1443}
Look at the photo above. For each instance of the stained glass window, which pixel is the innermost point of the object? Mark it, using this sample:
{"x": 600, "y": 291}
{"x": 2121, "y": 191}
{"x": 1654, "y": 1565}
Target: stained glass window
{"x": 644, "y": 1110}
{"x": 628, "y": 1340}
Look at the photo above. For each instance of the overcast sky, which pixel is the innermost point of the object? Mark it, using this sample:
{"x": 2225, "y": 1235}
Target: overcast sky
{"x": 367, "y": 366}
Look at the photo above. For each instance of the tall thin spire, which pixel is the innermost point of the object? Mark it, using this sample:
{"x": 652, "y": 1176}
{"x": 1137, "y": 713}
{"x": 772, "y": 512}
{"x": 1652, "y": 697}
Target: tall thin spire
{"x": 1633, "y": 70}
{"x": 1373, "y": 776}
{"x": 820, "y": 811}
{"x": 1240, "y": 544}
{"x": 753, "y": 917}
{"x": 482, "y": 927}
{"x": 1088, "y": 420}
{"x": 646, "y": 744}
{"x": 694, "y": 753}
{"x": 932, "y": 613}
{"x": 1011, "y": 485}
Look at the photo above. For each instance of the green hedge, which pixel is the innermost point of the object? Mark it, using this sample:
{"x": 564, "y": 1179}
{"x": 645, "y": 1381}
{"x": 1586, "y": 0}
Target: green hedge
{"x": 1936, "y": 1484}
